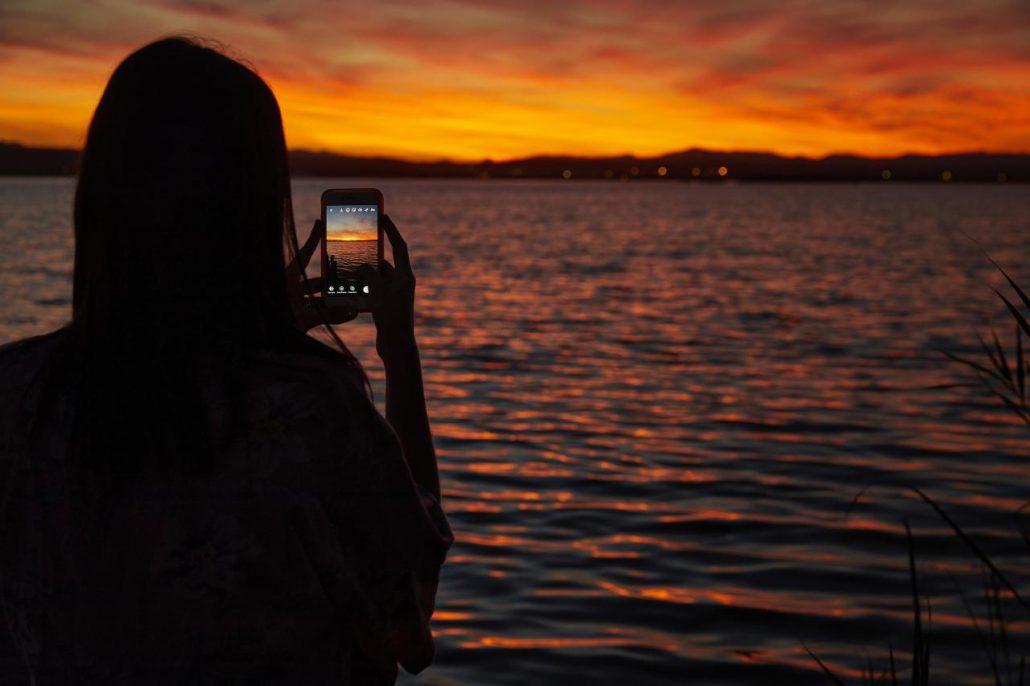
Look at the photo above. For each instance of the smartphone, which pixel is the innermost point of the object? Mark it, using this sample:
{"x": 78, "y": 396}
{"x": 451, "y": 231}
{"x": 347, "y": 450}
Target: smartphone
{"x": 353, "y": 237}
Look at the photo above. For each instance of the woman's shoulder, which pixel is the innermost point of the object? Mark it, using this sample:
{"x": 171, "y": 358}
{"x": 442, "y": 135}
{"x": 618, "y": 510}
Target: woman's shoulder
{"x": 314, "y": 366}
{"x": 28, "y": 353}
{"x": 301, "y": 419}
{"x": 21, "y": 361}
{"x": 324, "y": 381}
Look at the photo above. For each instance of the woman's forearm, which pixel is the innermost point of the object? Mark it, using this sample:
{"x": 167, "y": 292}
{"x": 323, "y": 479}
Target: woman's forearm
{"x": 406, "y": 411}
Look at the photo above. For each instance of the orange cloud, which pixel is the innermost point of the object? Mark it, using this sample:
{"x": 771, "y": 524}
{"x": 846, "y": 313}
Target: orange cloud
{"x": 469, "y": 79}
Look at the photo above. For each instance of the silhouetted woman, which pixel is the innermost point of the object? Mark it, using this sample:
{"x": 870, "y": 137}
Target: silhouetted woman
{"x": 194, "y": 490}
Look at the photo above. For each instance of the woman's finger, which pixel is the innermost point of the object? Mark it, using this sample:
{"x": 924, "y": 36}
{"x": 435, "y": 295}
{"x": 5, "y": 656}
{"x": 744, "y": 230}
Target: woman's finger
{"x": 314, "y": 312}
{"x": 336, "y": 314}
{"x": 315, "y": 284}
{"x": 400, "y": 246}
{"x": 300, "y": 261}
{"x": 373, "y": 278}
{"x": 369, "y": 273}
{"x": 308, "y": 249}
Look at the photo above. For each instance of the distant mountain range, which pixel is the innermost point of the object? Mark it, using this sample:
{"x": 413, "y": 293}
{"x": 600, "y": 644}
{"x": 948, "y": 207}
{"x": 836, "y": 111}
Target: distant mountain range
{"x": 702, "y": 165}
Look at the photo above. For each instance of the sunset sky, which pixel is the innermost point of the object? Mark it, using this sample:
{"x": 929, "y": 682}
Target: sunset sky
{"x": 350, "y": 226}
{"x": 471, "y": 79}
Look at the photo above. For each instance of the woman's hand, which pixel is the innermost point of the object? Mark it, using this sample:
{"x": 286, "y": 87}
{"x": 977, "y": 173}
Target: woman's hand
{"x": 393, "y": 309}
{"x": 393, "y": 298}
{"x": 309, "y": 309}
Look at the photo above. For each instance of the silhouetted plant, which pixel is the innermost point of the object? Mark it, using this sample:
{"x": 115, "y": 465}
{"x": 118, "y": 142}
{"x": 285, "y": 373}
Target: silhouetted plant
{"x": 1008, "y": 382}
{"x": 995, "y": 641}
{"x": 920, "y": 637}
{"x": 1005, "y": 381}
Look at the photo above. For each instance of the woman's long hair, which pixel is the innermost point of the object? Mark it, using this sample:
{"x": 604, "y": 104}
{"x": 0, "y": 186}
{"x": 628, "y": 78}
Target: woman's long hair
{"x": 182, "y": 217}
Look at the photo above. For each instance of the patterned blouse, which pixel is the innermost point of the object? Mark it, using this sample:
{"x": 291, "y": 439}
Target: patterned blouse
{"x": 313, "y": 557}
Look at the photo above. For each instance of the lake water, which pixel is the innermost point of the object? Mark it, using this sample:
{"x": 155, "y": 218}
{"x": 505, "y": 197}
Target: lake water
{"x": 654, "y": 403}
{"x": 350, "y": 255}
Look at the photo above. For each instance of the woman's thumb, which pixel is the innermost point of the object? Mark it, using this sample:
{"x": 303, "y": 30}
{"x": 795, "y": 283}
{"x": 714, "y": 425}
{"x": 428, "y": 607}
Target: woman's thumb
{"x": 370, "y": 276}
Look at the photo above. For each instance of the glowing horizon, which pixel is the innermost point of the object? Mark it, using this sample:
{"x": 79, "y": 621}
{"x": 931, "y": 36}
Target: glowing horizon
{"x": 476, "y": 79}
{"x": 354, "y": 237}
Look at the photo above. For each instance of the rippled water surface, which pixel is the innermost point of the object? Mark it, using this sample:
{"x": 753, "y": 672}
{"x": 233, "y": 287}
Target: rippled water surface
{"x": 654, "y": 403}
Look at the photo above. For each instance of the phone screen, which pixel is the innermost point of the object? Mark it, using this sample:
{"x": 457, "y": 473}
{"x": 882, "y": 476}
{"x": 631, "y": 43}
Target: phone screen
{"x": 351, "y": 233}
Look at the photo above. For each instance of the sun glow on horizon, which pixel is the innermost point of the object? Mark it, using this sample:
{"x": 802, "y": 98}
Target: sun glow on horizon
{"x": 354, "y": 237}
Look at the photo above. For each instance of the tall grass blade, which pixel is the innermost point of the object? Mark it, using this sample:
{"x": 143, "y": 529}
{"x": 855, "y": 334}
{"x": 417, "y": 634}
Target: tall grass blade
{"x": 833, "y": 677}
{"x": 1019, "y": 291}
{"x": 970, "y": 363}
{"x": 917, "y": 620}
{"x": 988, "y": 647}
{"x": 948, "y": 386}
{"x": 1020, "y": 319}
{"x": 990, "y": 353}
{"x": 927, "y": 639}
{"x": 1021, "y": 518}
{"x": 999, "y": 610}
{"x": 1020, "y": 367}
{"x": 1004, "y": 361}
{"x": 972, "y": 546}
{"x": 1015, "y": 408}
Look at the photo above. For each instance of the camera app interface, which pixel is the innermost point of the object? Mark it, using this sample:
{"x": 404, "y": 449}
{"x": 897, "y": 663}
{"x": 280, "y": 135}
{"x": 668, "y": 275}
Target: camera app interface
{"x": 351, "y": 235}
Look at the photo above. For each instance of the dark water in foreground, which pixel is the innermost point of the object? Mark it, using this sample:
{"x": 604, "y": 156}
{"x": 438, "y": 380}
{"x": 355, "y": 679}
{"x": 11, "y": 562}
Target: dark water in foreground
{"x": 654, "y": 402}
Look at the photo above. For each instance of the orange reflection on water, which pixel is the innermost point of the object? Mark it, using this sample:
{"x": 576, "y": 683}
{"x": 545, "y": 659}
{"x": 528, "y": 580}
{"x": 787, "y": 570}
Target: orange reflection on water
{"x": 700, "y": 515}
{"x": 456, "y": 505}
{"x": 595, "y": 550}
{"x": 540, "y": 470}
{"x": 991, "y": 501}
{"x": 622, "y": 474}
{"x": 662, "y": 543}
{"x": 590, "y": 505}
{"x": 459, "y": 432}
{"x": 445, "y": 616}
{"x": 520, "y": 643}
{"x": 599, "y": 554}
{"x": 446, "y": 391}
{"x": 508, "y": 495}
{"x": 510, "y": 528}
{"x": 528, "y": 469}
{"x": 497, "y": 540}
{"x": 491, "y": 467}
{"x": 558, "y": 457}
{"x": 871, "y": 525}
{"x": 673, "y": 595}
{"x": 451, "y": 631}
{"x": 721, "y": 598}
{"x": 745, "y": 597}
{"x": 467, "y": 559}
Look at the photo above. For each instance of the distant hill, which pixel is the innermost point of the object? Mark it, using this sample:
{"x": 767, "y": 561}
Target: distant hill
{"x": 17, "y": 160}
{"x": 703, "y": 165}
